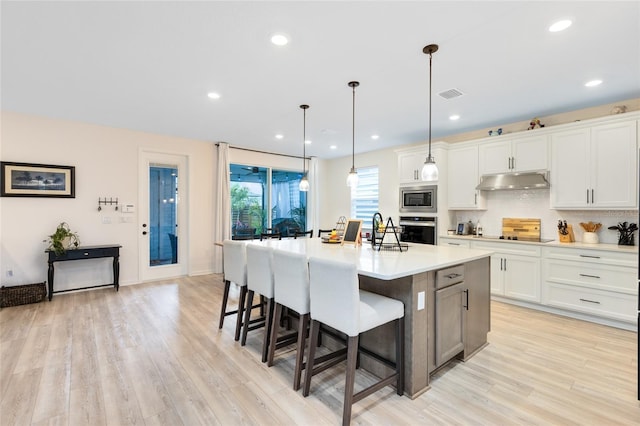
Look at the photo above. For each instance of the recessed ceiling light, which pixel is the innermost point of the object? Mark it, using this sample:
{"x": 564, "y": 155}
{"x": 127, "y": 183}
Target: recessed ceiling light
{"x": 308, "y": 142}
{"x": 279, "y": 39}
{"x": 279, "y": 136}
{"x": 454, "y": 117}
{"x": 333, "y": 147}
{"x": 375, "y": 137}
{"x": 213, "y": 95}
{"x": 560, "y": 26}
{"x": 593, "y": 83}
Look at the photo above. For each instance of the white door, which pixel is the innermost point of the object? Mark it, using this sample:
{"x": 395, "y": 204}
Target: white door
{"x": 162, "y": 215}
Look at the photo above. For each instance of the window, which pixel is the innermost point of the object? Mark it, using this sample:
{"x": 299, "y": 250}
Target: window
{"x": 364, "y": 197}
{"x": 266, "y": 198}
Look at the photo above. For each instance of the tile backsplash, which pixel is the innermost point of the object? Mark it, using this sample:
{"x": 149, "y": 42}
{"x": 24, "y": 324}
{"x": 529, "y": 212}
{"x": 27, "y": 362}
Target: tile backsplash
{"x": 536, "y": 204}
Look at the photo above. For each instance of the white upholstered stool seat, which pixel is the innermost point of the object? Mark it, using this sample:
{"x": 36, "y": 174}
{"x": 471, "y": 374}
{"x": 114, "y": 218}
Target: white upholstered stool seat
{"x": 235, "y": 270}
{"x": 259, "y": 281}
{"x": 291, "y": 290}
{"x": 337, "y": 301}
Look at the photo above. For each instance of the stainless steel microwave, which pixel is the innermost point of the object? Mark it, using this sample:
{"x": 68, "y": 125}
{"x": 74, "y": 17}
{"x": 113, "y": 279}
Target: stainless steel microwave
{"x": 419, "y": 199}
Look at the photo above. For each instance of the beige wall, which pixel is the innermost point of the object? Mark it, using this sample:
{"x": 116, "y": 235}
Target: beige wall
{"x": 106, "y": 161}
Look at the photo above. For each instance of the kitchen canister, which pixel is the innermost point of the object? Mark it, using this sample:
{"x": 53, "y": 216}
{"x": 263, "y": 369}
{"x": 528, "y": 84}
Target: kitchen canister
{"x": 590, "y": 238}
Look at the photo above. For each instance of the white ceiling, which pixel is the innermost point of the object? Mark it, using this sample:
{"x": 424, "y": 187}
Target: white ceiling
{"x": 148, "y": 66}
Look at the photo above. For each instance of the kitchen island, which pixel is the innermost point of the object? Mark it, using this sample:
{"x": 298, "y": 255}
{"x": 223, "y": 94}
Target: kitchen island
{"x": 418, "y": 277}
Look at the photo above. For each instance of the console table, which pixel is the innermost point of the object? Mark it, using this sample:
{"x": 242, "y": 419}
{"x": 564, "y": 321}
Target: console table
{"x": 86, "y": 252}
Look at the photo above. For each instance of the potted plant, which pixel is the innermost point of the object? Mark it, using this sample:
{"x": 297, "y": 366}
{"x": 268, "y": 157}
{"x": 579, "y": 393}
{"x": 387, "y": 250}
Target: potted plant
{"x": 626, "y": 230}
{"x": 62, "y": 239}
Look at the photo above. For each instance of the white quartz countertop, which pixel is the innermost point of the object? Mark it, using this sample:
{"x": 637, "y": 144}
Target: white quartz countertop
{"x": 555, "y": 243}
{"x": 383, "y": 264}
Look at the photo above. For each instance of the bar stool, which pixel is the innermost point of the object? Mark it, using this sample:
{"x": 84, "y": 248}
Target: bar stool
{"x": 303, "y": 234}
{"x": 235, "y": 270}
{"x": 270, "y": 235}
{"x": 337, "y": 302}
{"x": 324, "y": 231}
{"x": 291, "y": 290}
{"x": 260, "y": 281}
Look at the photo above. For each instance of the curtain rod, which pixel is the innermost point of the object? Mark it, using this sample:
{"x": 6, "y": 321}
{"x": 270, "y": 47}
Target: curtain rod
{"x": 263, "y": 152}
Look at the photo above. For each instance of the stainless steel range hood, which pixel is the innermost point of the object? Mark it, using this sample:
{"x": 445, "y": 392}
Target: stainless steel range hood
{"x": 529, "y": 180}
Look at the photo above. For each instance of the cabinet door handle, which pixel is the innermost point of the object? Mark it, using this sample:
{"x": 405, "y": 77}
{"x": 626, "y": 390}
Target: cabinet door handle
{"x": 475, "y": 198}
{"x": 589, "y": 301}
{"x": 590, "y": 276}
{"x": 452, "y": 276}
{"x": 454, "y": 244}
{"x": 587, "y": 196}
{"x": 590, "y": 256}
{"x": 466, "y": 305}
{"x": 501, "y": 260}
{"x": 593, "y": 200}
{"x": 513, "y": 163}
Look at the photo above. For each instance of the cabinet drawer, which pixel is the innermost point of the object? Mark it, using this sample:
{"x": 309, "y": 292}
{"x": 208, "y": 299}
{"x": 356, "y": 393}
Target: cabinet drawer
{"x": 606, "y": 304}
{"x": 454, "y": 242}
{"x": 603, "y": 277}
{"x": 592, "y": 256}
{"x": 449, "y": 276}
{"x": 509, "y": 247}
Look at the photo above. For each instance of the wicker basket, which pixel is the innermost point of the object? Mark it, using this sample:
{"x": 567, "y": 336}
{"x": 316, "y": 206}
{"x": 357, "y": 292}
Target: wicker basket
{"x": 22, "y": 294}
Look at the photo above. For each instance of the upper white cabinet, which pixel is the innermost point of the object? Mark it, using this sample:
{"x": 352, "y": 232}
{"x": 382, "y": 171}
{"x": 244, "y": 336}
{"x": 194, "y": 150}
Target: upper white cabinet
{"x": 410, "y": 162}
{"x": 410, "y": 165}
{"x": 595, "y": 167}
{"x": 514, "y": 155}
{"x": 463, "y": 177}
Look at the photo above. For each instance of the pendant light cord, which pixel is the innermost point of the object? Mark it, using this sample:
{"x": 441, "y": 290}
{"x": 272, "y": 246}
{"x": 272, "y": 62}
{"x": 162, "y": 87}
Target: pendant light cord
{"x": 304, "y": 142}
{"x": 430, "y": 70}
{"x": 353, "y": 128}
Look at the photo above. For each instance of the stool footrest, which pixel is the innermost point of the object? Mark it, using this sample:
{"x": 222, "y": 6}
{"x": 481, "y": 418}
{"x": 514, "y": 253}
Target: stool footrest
{"x": 329, "y": 360}
{"x": 375, "y": 387}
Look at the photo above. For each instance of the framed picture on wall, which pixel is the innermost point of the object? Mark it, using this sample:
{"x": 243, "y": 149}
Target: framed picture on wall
{"x": 37, "y": 180}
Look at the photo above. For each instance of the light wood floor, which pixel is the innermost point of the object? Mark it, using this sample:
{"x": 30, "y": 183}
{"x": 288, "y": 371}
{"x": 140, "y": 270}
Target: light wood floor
{"x": 152, "y": 354}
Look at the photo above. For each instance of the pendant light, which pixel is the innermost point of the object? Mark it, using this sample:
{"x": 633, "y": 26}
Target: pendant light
{"x": 429, "y": 170}
{"x": 304, "y": 182}
{"x": 352, "y": 178}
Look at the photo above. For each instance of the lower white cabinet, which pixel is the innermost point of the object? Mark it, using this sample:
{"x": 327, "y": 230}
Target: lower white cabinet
{"x": 592, "y": 282}
{"x": 515, "y": 270}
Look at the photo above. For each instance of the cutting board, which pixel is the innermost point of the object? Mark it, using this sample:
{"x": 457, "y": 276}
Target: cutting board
{"x": 522, "y": 228}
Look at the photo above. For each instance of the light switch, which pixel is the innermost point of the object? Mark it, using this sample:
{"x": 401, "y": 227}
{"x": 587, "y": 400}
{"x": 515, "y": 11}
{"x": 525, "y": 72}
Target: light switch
{"x": 421, "y": 300}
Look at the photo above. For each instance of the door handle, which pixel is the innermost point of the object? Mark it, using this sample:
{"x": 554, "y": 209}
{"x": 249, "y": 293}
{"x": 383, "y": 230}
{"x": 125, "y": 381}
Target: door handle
{"x": 505, "y": 264}
{"x": 144, "y": 232}
{"x": 587, "y": 196}
{"x": 466, "y": 306}
{"x": 592, "y": 198}
{"x": 589, "y": 276}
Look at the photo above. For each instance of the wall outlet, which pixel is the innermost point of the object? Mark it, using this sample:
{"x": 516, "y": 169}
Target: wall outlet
{"x": 9, "y": 273}
{"x": 421, "y": 300}
{"x": 106, "y": 219}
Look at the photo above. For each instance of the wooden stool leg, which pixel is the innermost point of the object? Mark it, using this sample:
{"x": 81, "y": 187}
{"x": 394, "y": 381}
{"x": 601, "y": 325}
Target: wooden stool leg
{"x": 275, "y": 319}
{"x": 311, "y": 353}
{"x": 352, "y": 356}
{"x": 303, "y": 323}
{"x": 266, "y": 339}
{"x": 243, "y": 295}
{"x": 247, "y": 317}
{"x": 225, "y": 299}
{"x": 400, "y": 355}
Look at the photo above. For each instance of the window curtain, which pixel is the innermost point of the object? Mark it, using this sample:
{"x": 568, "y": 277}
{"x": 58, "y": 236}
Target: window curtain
{"x": 313, "y": 204}
{"x": 222, "y": 208}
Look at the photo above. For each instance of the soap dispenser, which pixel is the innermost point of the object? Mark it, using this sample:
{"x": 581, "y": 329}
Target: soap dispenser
{"x": 479, "y": 230}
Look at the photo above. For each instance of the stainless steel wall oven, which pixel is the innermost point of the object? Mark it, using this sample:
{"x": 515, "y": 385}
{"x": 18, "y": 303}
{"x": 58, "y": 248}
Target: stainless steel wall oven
{"x": 418, "y": 229}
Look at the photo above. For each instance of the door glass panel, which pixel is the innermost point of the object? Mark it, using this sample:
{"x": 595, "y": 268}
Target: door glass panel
{"x": 163, "y": 215}
{"x": 288, "y": 203}
{"x": 248, "y": 198}
{"x": 262, "y": 198}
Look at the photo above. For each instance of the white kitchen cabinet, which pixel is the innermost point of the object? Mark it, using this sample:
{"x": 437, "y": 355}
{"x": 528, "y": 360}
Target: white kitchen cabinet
{"x": 463, "y": 177}
{"x": 515, "y": 269}
{"x": 453, "y": 242}
{"x": 514, "y": 155}
{"x": 410, "y": 165}
{"x": 592, "y": 282}
{"x": 410, "y": 162}
{"x": 595, "y": 167}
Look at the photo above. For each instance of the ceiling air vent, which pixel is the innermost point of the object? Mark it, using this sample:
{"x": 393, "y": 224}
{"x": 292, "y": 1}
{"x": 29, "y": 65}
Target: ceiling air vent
{"x": 451, "y": 93}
